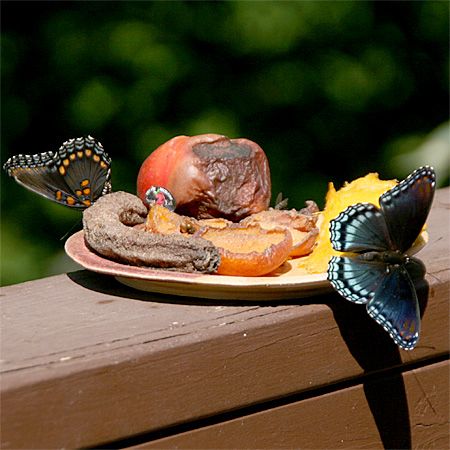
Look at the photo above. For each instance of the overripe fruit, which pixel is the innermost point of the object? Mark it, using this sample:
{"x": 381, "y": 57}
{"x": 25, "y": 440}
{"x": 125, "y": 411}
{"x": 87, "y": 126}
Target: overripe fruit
{"x": 210, "y": 176}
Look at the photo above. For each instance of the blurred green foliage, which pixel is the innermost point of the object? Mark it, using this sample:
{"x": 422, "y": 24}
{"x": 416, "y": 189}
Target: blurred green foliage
{"x": 330, "y": 90}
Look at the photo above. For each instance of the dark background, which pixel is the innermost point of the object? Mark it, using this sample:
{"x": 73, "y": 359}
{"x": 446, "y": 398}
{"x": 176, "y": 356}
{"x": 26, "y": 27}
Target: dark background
{"x": 330, "y": 90}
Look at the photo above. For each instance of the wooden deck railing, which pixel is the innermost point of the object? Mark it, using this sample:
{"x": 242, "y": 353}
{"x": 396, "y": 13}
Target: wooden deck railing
{"x": 87, "y": 362}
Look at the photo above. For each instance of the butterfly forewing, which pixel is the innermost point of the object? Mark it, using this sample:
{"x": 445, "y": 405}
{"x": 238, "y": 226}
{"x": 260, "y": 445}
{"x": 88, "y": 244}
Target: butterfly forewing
{"x": 38, "y": 176}
{"x": 395, "y": 307}
{"x": 359, "y": 228}
{"x": 406, "y": 207}
{"x": 355, "y": 279}
{"x": 74, "y": 176}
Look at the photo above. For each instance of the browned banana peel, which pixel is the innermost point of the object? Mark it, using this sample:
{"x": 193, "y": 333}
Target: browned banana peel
{"x": 110, "y": 230}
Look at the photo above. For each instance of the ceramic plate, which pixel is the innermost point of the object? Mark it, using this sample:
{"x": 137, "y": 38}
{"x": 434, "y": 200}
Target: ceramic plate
{"x": 288, "y": 282}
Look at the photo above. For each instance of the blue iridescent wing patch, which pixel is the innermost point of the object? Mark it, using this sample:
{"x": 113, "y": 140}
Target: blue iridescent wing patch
{"x": 379, "y": 273}
{"x": 354, "y": 279}
{"x": 75, "y": 176}
{"x": 396, "y": 308}
{"x": 359, "y": 228}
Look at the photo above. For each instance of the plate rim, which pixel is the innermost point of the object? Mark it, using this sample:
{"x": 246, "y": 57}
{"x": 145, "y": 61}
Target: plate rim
{"x": 161, "y": 275}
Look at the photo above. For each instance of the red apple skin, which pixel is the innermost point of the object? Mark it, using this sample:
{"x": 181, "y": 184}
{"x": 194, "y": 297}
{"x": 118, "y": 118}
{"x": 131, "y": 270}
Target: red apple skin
{"x": 156, "y": 168}
{"x": 210, "y": 175}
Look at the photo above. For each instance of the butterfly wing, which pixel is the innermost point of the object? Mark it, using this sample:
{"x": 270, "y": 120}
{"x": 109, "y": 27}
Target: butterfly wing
{"x": 360, "y": 228}
{"x": 387, "y": 291}
{"x": 406, "y": 207}
{"x": 355, "y": 279}
{"x": 395, "y": 307}
{"x": 74, "y": 176}
{"x": 416, "y": 269}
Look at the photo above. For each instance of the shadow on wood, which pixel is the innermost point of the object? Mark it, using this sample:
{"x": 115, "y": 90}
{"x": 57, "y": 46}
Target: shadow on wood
{"x": 374, "y": 350}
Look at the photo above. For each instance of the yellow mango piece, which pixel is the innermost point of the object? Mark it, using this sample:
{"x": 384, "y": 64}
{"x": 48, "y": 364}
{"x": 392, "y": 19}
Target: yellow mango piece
{"x": 362, "y": 190}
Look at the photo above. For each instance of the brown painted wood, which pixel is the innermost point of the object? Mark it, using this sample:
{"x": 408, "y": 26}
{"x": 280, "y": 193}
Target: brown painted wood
{"x": 86, "y": 360}
{"x": 374, "y": 415}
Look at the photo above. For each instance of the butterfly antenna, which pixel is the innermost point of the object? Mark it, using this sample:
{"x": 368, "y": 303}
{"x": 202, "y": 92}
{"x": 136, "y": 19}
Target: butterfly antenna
{"x": 434, "y": 276}
{"x": 437, "y": 240}
{"x": 69, "y": 231}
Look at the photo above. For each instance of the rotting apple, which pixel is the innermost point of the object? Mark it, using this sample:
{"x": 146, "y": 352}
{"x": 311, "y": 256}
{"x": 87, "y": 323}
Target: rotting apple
{"x": 210, "y": 176}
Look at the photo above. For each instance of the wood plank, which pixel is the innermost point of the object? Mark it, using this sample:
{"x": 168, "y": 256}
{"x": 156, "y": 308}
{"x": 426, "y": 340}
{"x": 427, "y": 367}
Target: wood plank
{"x": 398, "y": 411}
{"x": 80, "y": 350}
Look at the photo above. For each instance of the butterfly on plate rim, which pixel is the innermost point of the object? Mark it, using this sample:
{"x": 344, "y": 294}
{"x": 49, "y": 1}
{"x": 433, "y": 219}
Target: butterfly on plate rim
{"x": 75, "y": 176}
{"x": 375, "y": 268}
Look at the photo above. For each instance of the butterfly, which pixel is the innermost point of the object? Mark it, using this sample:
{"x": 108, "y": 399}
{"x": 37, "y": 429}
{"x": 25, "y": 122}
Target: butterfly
{"x": 379, "y": 273}
{"x": 75, "y": 176}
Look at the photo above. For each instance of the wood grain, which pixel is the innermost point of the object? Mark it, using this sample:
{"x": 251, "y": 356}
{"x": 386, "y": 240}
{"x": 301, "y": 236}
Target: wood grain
{"x": 87, "y": 361}
{"x": 341, "y": 419}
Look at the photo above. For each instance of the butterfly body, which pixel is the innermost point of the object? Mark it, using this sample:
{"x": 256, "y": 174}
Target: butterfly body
{"x": 377, "y": 271}
{"x": 390, "y": 258}
{"x": 75, "y": 176}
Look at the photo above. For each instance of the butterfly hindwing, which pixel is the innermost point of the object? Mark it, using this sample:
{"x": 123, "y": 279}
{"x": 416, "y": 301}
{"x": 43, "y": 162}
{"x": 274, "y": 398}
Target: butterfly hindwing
{"x": 74, "y": 176}
{"x": 90, "y": 169}
{"x": 359, "y": 228}
{"x": 406, "y": 207}
{"x": 416, "y": 269}
{"x": 395, "y": 307}
{"x": 355, "y": 279}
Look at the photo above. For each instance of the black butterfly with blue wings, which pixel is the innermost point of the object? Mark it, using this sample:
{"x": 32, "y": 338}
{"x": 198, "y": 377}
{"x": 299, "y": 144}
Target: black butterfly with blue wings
{"x": 379, "y": 273}
{"x": 75, "y": 176}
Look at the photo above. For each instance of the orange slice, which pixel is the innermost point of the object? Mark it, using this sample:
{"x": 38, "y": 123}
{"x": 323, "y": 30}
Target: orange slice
{"x": 249, "y": 250}
{"x": 163, "y": 221}
{"x": 303, "y": 242}
{"x": 218, "y": 222}
{"x": 301, "y": 225}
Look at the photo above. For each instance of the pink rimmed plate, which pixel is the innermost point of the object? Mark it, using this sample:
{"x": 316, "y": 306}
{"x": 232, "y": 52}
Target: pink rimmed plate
{"x": 288, "y": 282}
